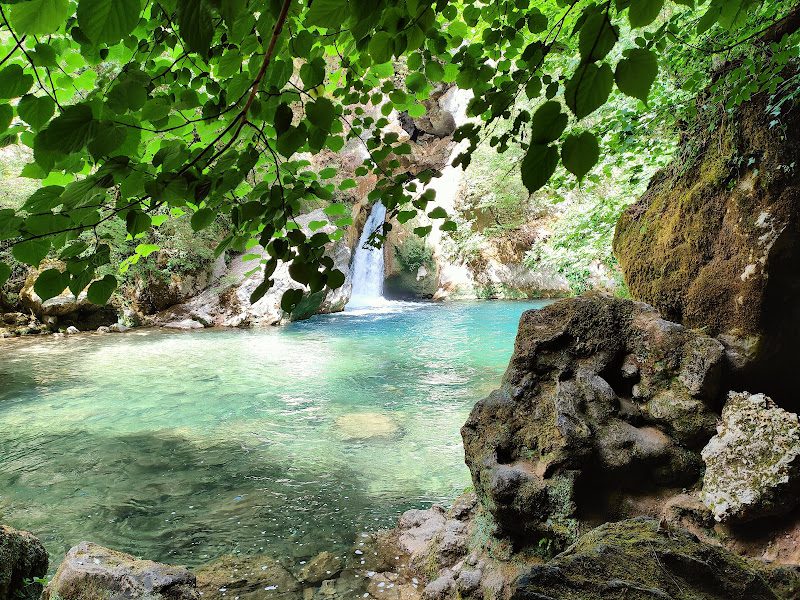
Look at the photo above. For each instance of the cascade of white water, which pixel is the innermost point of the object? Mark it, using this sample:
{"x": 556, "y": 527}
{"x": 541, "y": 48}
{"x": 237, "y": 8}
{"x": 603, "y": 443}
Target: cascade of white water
{"x": 367, "y": 269}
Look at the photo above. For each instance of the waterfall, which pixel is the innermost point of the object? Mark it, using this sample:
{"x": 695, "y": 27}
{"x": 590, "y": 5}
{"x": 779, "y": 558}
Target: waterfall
{"x": 367, "y": 269}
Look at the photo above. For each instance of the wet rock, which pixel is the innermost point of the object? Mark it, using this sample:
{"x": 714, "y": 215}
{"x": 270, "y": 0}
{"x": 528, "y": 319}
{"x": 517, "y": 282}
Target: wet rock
{"x": 15, "y": 319}
{"x": 715, "y": 243}
{"x": 91, "y": 572}
{"x": 600, "y": 394}
{"x": 184, "y": 324}
{"x": 22, "y": 559}
{"x": 103, "y": 329}
{"x": 118, "y": 328}
{"x": 753, "y": 463}
{"x": 325, "y": 565}
{"x": 248, "y": 577}
{"x": 72, "y": 330}
{"x": 639, "y": 559}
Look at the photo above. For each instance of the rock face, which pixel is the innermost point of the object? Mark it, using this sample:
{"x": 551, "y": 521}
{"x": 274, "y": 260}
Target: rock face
{"x": 638, "y": 559}
{"x": 226, "y": 302}
{"x": 22, "y": 558}
{"x": 715, "y": 241}
{"x": 91, "y": 572}
{"x": 600, "y": 394}
{"x": 753, "y": 463}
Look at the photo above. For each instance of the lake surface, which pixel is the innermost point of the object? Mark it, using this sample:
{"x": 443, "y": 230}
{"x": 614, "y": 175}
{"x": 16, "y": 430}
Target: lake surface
{"x": 181, "y": 447}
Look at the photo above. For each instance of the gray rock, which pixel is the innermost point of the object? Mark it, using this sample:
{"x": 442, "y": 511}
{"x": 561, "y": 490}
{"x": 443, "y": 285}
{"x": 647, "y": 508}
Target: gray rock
{"x": 118, "y": 328}
{"x": 601, "y": 392}
{"x": 22, "y": 559}
{"x": 469, "y": 580}
{"x": 103, "y": 329}
{"x": 91, "y": 572}
{"x": 72, "y": 330}
{"x": 440, "y": 588}
{"x": 753, "y": 463}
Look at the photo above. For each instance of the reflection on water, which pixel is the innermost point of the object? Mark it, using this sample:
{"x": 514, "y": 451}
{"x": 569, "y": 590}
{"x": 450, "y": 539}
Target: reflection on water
{"x": 184, "y": 446}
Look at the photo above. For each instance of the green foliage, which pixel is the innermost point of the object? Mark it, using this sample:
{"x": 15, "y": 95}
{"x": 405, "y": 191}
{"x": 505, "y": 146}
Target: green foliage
{"x": 135, "y": 110}
{"x": 414, "y": 253}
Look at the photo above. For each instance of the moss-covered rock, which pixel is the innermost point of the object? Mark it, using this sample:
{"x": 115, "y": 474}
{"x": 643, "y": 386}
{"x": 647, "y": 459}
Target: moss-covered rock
{"x": 641, "y": 559}
{"x": 601, "y": 394}
{"x": 715, "y": 240}
{"x": 22, "y": 559}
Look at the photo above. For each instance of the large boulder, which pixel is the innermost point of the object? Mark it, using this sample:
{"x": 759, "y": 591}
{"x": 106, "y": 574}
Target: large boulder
{"x": 753, "y": 463}
{"x": 92, "y": 572}
{"x": 640, "y": 559}
{"x": 715, "y": 240}
{"x": 22, "y": 560}
{"x": 600, "y": 394}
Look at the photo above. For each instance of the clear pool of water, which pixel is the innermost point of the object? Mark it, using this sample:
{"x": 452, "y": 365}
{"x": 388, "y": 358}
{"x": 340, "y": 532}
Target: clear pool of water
{"x": 181, "y": 447}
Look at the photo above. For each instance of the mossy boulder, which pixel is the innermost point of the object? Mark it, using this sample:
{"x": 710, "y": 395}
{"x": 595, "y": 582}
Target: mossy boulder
{"x": 22, "y": 559}
{"x": 714, "y": 243}
{"x": 600, "y": 394}
{"x": 753, "y": 463}
{"x": 641, "y": 559}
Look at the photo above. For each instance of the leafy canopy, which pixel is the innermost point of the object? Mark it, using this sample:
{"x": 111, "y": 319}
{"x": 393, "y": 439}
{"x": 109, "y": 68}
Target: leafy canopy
{"x": 139, "y": 111}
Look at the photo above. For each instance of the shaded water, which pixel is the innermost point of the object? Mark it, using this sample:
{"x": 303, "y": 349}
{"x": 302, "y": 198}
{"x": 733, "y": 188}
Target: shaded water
{"x": 184, "y": 446}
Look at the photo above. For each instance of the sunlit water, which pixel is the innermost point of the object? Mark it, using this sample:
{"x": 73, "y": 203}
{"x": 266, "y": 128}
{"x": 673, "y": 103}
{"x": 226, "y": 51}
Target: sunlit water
{"x": 181, "y": 447}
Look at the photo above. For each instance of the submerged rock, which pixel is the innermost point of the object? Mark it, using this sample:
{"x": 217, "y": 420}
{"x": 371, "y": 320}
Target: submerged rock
{"x": 92, "y": 572}
{"x": 326, "y": 565}
{"x": 366, "y": 425}
{"x": 248, "y": 578}
{"x": 753, "y": 463}
{"x": 22, "y": 559}
{"x": 600, "y": 394}
{"x": 639, "y": 559}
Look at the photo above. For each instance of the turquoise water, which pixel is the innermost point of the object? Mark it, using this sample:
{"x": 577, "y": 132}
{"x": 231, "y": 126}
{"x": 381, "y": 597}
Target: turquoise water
{"x": 181, "y": 447}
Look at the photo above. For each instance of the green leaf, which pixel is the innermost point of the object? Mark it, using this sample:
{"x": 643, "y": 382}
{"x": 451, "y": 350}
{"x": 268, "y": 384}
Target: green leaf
{"x": 336, "y": 279}
{"x": 6, "y": 116}
{"x": 290, "y": 299}
{"x": 44, "y": 199}
{"x": 70, "y": 131}
{"x": 202, "y": 219}
{"x": 644, "y": 12}
{"x": 580, "y": 153}
{"x": 31, "y": 252}
{"x": 538, "y": 166}
{"x": 5, "y": 273}
{"x": 636, "y": 73}
{"x": 548, "y": 123}
{"x": 50, "y": 283}
{"x": 100, "y": 291}
{"x": 597, "y": 37}
{"x": 137, "y": 222}
{"x": 327, "y": 14}
{"x": 196, "y": 25}
{"x": 291, "y": 140}
{"x": 36, "y": 111}
{"x": 108, "y": 21}
{"x": 145, "y": 250}
{"x": 39, "y": 17}
{"x": 589, "y": 88}
{"x": 381, "y": 47}
{"x": 321, "y": 113}
{"x": 14, "y": 82}
{"x": 336, "y": 210}
{"x": 438, "y": 213}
